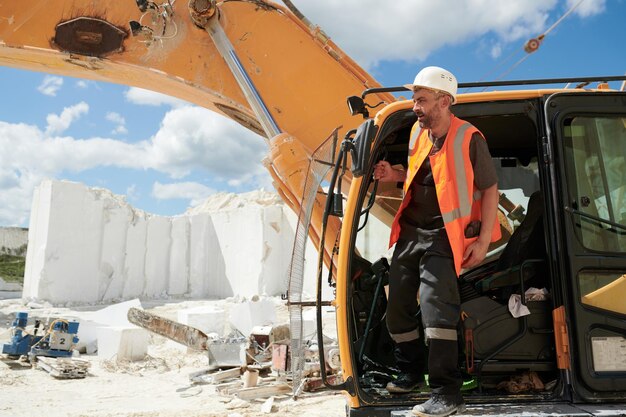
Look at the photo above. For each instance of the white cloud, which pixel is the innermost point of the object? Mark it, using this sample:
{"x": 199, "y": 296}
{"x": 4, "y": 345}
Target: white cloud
{"x": 587, "y": 8}
{"x": 115, "y": 118}
{"x": 131, "y": 192}
{"x": 119, "y": 130}
{"x": 120, "y": 122}
{"x": 189, "y": 139}
{"x": 82, "y": 84}
{"x": 416, "y": 28}
{"x": 496, "y": 51}
{"x": 50, "y": 85}
{"x": 143, "y": 97}
{"x": 196, "y": 138}
{"x": 195, "y": 192}
{"x": 59, "y": 123}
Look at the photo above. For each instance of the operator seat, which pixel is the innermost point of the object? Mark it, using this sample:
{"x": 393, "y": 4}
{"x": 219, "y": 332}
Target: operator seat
{"x": 494, "y": 339}
{"x": 526, "y": 242}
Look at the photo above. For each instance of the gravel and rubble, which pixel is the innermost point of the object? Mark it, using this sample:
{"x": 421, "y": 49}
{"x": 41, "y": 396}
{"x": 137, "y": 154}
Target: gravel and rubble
{"x": 170, "y": 381}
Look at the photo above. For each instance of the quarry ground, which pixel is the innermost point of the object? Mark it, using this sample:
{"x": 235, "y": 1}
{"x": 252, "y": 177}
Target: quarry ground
{"x": 157, "y": 386}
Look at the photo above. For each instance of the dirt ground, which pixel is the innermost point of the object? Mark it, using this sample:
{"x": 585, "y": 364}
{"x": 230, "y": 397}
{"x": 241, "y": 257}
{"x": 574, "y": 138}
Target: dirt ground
{"x": 157, "y": 386}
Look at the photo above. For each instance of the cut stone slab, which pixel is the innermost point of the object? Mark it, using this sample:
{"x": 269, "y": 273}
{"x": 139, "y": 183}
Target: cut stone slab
{"x": 90, "y": 322}
{"x": 122, "y": 343}
{"x": 207, "y": 319}
{"x": 249, "y": 314}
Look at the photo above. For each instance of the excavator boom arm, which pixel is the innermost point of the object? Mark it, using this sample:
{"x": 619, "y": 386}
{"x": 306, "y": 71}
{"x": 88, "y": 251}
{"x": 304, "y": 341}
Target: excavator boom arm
{"x": 301, "y": 76}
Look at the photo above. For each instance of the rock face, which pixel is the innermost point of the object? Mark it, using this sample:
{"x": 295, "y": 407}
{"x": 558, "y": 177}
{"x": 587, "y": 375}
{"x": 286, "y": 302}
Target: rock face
{"x": 88, "y": 245}
{"x": 13, "y": 240}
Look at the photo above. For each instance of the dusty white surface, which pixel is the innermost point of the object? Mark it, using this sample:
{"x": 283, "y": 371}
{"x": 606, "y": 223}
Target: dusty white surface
{"x": 157, "y": 386}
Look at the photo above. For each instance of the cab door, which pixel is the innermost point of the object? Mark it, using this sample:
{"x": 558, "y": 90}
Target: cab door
{"x": 586, "y": 153}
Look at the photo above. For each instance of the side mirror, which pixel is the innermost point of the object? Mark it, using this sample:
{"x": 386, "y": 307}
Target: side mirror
{"x": 357, "y": 106}
{"x": 363, "y": 139}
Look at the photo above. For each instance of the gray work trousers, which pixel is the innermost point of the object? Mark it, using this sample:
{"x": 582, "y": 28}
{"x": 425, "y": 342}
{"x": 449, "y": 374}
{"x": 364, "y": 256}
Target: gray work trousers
{"x": 425, "y": 264}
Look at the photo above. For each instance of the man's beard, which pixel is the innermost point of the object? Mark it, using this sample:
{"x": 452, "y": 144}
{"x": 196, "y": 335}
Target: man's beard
{"x": 427, "y": 121}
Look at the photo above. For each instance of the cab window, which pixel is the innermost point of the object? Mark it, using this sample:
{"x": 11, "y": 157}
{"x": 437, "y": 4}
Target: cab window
{"x": 596, "y": 163}
{"x": 595, "y": 160}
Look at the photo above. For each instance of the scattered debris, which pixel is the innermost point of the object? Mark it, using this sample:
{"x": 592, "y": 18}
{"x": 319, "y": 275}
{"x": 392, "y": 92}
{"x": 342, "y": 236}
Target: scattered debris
{"x": 250, "y": 378}
{"x": 280, "y": 357}
{"x": 237, "y": 403}
{"x": 227, "y": 352}
{"x": 262, "y": 379}
{"x": 528, "y": 381}
{"x": 262, "y": 391}
{"x": 268, "y": 406}
{"x": 148, "y": 364}
{"x": 315, "y": 383}
{"x": 204, "y": 375}
{"x": 64, "y": 368}
{"x": 189, "y": 391}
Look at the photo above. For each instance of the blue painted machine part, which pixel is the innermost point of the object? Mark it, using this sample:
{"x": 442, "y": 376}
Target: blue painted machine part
{"x": 21, "y": 319}
{"x": 59, "y": 327}
{"x": 20, "y": 341}
{"x": 23, "y": 343}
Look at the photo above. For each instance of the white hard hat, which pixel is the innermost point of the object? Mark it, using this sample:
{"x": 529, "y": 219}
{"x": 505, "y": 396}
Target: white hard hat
{"x": 435, "y": 78}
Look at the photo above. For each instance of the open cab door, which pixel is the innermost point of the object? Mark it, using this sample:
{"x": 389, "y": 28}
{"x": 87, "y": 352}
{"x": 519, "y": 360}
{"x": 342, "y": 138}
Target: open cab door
{"x": 587, "y": 140}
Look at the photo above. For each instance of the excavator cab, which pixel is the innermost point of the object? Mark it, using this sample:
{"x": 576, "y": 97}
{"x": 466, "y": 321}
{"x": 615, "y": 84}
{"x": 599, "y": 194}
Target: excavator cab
{"x": 541, "y": 321}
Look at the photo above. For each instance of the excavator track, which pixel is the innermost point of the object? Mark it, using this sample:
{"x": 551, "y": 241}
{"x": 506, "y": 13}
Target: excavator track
{"x": 178, "y": 332}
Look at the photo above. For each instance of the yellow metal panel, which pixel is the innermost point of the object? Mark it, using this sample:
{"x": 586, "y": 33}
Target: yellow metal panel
{"x": 342, "y": 286}
{"x": 610, "y": 297}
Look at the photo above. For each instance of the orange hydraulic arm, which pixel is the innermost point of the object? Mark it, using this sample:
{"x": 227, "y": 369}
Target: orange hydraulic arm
{"x": 253, "y": 61}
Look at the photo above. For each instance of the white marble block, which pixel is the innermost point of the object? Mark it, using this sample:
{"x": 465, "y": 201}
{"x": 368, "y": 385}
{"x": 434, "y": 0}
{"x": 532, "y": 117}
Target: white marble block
{"x": 115, "y": 315}
{"x": 89, "y": 245}
{"x": 178, "y": 283}
{"x": 204, "y": 254}
{"x": 116, "y": 219}
{"x": 239, "y": 236}
{"x": 65, "y": 254}
{"x": 207, "y": 319}
{"x": 249, "y": 314}
{"x": 122, "y": 343}
{"x": 158, "y": 243}
{"x": 134, "y": 264}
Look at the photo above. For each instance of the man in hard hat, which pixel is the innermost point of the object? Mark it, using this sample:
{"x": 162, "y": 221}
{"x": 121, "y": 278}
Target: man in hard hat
{"x": 445, "y": 223}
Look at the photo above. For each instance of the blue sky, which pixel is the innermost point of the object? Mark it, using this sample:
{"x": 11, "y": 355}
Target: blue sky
{"x": 165, "y": 155}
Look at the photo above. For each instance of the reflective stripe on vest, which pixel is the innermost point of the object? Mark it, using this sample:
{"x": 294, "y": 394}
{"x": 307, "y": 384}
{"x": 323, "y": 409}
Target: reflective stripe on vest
{"x": 456, "y": 213}
{"x": 415, "y": 133}
{"x": 465, "y": 205}
{"x": 454, "y": 184}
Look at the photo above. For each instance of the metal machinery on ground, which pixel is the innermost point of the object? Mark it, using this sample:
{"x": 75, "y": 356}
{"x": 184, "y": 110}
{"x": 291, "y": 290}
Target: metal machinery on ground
{"x": 57, "y": 341}
{"x": 246, "y": 60}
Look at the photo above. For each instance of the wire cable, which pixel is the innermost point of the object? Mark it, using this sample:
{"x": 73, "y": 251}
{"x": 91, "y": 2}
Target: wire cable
{"x": 539, "y": 39}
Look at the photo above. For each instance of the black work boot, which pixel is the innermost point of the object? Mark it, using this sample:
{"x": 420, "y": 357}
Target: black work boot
{"x": 440, "y": 405}
{"x": 411, "y": 359}
{"x": 406, "y": 383}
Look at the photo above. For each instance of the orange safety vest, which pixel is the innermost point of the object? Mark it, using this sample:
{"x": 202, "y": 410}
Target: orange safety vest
{"x": 458, "y": 197}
